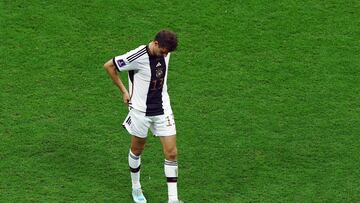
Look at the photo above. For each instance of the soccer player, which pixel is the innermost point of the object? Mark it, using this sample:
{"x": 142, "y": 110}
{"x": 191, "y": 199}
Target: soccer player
{"x": 149, "y": 106}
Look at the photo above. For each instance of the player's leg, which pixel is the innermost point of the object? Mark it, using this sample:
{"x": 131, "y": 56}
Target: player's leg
{"x": 170, "y": 166}
{"x": 164, "y": 127}
{"x": 136, "y": 149}
{"x": 169, "y": 147}
{"x": 137, "y": 145}
{"x": 136, "y": 124}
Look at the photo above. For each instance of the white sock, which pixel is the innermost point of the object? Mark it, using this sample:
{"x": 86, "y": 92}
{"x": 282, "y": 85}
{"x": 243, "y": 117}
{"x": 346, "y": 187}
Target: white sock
{"x": 171, "y": 173}
{"x": 134, "y": 164}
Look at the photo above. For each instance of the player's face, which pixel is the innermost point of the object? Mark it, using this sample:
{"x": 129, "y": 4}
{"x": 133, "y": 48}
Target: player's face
{"x": 160, "y": 51}
{"x": 163, "y": 52}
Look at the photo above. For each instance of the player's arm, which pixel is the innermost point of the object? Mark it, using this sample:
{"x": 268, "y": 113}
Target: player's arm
{"x": 113, "y": 73}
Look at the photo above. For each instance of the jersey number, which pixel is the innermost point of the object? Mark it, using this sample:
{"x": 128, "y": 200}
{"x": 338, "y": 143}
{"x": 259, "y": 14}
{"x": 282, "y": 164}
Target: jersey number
{"x": 157, "y": 84}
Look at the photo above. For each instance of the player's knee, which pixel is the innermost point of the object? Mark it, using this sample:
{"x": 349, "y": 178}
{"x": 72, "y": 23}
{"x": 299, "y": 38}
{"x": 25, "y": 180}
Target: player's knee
{"x": 171, "y": 154}
{"x": 137, "y": 145}
{"x": 137, "y": 150}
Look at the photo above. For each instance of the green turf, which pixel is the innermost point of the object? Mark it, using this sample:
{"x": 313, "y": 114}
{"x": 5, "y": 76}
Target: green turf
{"x": 265, "y": 95}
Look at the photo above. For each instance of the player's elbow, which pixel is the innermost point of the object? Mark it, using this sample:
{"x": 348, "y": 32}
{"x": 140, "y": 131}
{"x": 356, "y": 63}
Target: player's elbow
{"x": 106, "y": 66}
{"x": 109, "y": 65}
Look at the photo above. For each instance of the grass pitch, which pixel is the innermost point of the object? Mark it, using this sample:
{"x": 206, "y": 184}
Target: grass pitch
{"x": 265, "y": 95}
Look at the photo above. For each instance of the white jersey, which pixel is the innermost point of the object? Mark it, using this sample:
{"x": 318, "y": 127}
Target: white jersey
{"x": 147, "y": 80}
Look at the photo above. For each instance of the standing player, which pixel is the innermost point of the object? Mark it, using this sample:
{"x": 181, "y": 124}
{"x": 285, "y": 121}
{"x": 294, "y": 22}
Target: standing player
{"x": 149, "y": 106}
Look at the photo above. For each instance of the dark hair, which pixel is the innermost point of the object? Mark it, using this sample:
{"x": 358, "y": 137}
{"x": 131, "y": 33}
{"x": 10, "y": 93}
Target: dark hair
{"x": 167, "y": 39}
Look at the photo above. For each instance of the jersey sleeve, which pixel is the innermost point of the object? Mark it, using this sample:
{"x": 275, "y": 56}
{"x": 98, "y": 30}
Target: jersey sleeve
{"x": 126, "y": 61}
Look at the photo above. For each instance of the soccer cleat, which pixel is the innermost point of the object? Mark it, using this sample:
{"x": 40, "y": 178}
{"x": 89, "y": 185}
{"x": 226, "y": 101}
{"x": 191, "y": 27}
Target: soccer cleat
{"x": 178, "y": 201}
{"x": 138, "y": 196}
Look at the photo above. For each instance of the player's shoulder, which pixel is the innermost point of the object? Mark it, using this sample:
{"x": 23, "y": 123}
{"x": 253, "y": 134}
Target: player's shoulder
{"x": 138, "y": 49}
{"x": 136, "y": 53}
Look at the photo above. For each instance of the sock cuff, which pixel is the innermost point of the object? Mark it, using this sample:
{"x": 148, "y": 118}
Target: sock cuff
{"x": 170, "y": 163}
{"x": 171, "y": 169}
{"x": 133, "y": 156}
{"x": 134, "y": 162}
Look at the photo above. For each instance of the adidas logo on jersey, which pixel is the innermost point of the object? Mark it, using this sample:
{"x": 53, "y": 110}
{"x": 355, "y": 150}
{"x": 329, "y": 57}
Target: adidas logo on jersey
{"x": 158, "y": 64}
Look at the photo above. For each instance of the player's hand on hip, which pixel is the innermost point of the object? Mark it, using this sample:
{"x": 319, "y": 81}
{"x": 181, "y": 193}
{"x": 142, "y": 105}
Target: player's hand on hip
{"x": 126, "y": 98}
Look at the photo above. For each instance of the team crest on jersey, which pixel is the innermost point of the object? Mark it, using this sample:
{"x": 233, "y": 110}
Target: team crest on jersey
{"x": 159, "y": 72}
{"x": 121, "y": 63}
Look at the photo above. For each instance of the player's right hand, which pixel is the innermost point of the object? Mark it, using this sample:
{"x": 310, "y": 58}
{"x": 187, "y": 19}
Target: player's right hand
{"x": 126, "y": 98}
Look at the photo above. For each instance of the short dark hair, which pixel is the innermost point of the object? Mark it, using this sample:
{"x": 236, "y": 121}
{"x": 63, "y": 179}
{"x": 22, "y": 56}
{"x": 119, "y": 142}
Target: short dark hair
{"x": 167, "y": 39}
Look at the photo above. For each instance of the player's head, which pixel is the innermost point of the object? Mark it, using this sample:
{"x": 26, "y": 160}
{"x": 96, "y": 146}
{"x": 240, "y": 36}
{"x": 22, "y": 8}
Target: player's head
{"x": 165, "y": 41}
